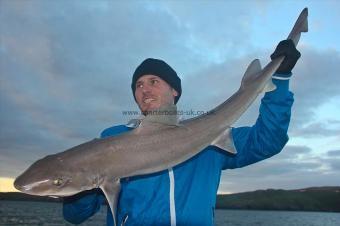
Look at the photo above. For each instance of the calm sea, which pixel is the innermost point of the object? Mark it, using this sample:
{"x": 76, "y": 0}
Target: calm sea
{"x": 49, "y": 214}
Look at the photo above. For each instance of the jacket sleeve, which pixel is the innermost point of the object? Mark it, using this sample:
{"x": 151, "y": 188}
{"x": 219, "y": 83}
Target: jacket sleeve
{"x": 80, "y": 207}
{"x": 269, "y": 134}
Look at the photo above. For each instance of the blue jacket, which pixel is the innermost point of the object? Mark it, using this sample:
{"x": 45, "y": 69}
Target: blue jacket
{"x": 186, "y": 194}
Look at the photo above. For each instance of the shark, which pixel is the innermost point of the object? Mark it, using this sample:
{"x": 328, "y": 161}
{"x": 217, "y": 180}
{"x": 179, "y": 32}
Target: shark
{"x": 160, "y": 142}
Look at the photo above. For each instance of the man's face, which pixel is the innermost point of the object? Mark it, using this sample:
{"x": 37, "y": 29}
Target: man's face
{"x": 153, "y": 92}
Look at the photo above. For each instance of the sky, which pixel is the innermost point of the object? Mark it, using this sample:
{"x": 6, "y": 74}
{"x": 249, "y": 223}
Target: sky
{"x": 66, "y": 68}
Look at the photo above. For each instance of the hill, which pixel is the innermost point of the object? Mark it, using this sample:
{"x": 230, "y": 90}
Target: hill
{"x": 18, "y": 196}
{"x": 308, "y": 199}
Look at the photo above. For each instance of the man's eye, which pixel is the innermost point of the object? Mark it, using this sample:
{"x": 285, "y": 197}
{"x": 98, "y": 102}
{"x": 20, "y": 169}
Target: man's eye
{"x": 58, "y": 182}
{"x": 139, "y": 86}
{"x": 154, "y": 81}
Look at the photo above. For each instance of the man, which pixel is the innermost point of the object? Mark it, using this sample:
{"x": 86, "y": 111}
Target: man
{"x": 186, "y": 194}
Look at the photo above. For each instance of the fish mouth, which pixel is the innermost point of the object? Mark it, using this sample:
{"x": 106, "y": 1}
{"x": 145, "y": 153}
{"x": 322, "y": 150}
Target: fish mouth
{"x": 28, "y": 188}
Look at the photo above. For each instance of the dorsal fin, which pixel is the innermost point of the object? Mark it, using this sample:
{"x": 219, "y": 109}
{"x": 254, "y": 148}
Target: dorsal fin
{"x": 164, "y": 115}
{"x": 253, "y": 69}
{"x": 162, "y": 118}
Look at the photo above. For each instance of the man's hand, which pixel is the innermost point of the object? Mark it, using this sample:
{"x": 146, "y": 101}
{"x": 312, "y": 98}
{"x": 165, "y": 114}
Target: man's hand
{"x": 286, "y": 48}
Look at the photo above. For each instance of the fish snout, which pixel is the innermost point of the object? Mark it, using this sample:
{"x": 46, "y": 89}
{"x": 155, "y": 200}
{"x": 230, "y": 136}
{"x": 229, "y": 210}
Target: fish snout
{"x": 24, "y": 185}
{"x": 18, "y": 184}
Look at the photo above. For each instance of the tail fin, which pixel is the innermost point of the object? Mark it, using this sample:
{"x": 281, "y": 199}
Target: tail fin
{"x": 253, "y": 69}
{"x": 304, "y": 14}
{"x": 301, "y": 25}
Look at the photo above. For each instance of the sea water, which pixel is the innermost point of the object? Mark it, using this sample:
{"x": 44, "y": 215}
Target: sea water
{"x": 50, "y": 214}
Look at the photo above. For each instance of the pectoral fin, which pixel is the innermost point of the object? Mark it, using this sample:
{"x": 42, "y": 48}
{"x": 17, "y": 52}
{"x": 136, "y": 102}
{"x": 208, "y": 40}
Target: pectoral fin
{"x": 111, "y": 189}
{"x": 225, "y": 142}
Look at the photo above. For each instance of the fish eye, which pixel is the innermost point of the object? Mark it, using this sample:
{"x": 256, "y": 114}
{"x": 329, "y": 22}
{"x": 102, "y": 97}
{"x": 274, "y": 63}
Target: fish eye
{"x": 58, "y": 182}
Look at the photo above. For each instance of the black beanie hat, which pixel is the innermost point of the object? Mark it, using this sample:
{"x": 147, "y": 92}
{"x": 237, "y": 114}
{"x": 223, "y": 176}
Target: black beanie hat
{"x": 161, "y": 69}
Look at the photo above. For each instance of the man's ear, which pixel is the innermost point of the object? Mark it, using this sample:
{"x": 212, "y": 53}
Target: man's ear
{"x": 174, "y": 92}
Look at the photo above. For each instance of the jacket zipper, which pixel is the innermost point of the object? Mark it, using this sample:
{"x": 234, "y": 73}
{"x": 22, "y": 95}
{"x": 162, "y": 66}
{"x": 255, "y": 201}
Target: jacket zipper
{"x": 172, "y": 198}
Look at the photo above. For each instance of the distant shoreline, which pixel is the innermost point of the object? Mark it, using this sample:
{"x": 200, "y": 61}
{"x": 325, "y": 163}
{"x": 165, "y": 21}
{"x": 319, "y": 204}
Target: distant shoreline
{"x": 322, "y": 199}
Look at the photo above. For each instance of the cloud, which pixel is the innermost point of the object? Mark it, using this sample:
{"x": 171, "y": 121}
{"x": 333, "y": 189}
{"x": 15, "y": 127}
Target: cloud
{"x": 335, "y": 164}
{"x": 333, "y": 153}
{"x": 316, "y": 129}
{"x": 210, "y": 27}
{"x": 314, "y": 82}
{"x": 66, "y": 66}
{"x": 294, "y": 167}
{"x": 292, "y": 152}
